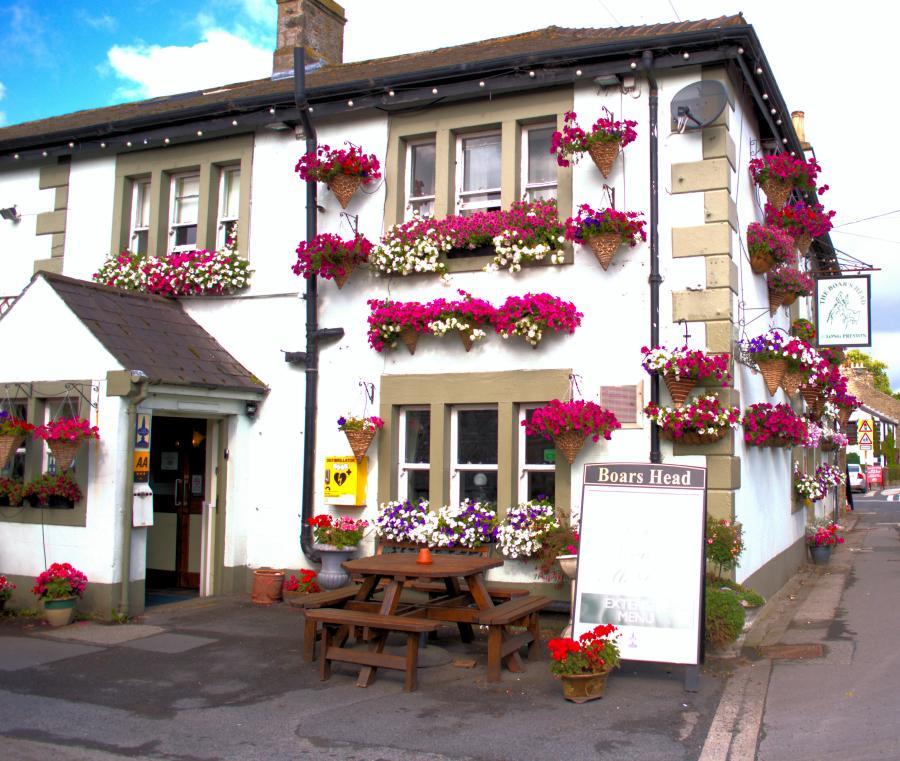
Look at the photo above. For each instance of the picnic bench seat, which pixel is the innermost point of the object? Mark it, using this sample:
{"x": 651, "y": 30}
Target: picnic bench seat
{"x": 327, "y": 599}
{"x": 503, "y": 644}
{"x": 374, "y": 657}
{"x": 496, "y": 592}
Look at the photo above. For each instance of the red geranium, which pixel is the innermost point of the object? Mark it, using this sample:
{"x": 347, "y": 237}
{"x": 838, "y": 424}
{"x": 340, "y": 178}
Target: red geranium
{"x": 327, "y": 163}
{"x": 68, "y": 429}
{"x": 60, "y": 580}
{"x": 594, "y": 652}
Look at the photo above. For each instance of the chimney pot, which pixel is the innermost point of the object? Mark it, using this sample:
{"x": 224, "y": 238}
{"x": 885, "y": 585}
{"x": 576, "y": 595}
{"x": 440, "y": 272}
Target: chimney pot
{"x": 316, "y": 25}
{"x": 798, "y": 118}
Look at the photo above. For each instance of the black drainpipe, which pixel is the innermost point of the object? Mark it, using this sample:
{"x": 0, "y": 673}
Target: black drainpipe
{"x": 655, "y": 278}
{"x": 312, "y": 322}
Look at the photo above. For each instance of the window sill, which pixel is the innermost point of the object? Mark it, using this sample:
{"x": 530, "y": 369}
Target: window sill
{"x": 472, "y": 260}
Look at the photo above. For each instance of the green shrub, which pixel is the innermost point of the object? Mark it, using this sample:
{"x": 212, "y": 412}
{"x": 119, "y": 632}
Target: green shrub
{"x": 724, "y": 616}
{"x": 852, "y": 457}
{"x": 750, "y": 598}
{"x": 724, "y": 544}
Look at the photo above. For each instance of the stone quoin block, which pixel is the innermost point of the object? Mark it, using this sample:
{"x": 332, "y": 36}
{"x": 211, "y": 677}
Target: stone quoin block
{"x": 50, "y": 222}
{"x": 694, "y": 176}
{"x": 720, "y": 504}
{"x": 717, "y": 144}
{"x": 719, "y": 206}
{"x": 702, "y": 240}
{"x": 721, "y": 272}
{"x": 723, "y": 472}
{"x": 720, "y": 336}
{"x": 711, "y": 304}
{"x": 53, "y": 176}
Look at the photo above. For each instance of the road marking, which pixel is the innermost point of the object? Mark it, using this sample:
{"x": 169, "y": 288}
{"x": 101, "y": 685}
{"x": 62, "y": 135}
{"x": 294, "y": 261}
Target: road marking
{"x": 734, "y": 733}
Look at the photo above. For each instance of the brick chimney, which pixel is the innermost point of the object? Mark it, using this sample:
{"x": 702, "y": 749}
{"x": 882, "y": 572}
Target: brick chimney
{"x": 316, "y": 25}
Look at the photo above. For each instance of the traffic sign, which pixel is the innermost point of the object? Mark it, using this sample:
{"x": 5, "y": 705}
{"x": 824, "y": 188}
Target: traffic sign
{"x": 864, "y": 426}
{"x": 865, "y": 441}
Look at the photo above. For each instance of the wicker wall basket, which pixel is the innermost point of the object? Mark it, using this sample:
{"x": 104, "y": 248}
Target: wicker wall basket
{"x": 803, "y": 242}
{"x": 772, "y": 371}
{"x": 789, "y": 298}
{"x": 341, "y": 280}
{"x": 604, "y": 247}
{"x": 828, "y": 445}
{"x": 792, "y": 381}
{"x": 604, "y": 156}
{"x": 360, "y": 442}
{"x": 466, "y": 337}
{"x": 810, "y": 395}
{"x": 761, "y": 262}
{"x": 843, "y": 416}
{"x": 776, "y": 299}
{"x": 344, "y": 186}
{"x": 569, "y": 443}
{"x": 695, "y": 437}
{"x": 679, "y": 389}
{"x": 8, "y": 447}
{"x": 410, "y": 338}
{"x": 64, "y": 452}
{"x": 777, "y": 192}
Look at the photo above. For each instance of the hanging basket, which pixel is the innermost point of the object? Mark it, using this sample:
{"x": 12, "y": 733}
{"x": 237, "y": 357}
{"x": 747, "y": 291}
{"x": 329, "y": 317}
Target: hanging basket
{"x": 64, "y": 452}
{"x": 410, "y": 338}
{"x": 828, "y": 445}
{"x": 344, "y": 186}
{"x": 8, "y": 447}
{"x": 341, "y": 280}
{"x": 761, "y": 262}
{"x": 360, "y": 441}
{"x": 679, "y": 388}
{"x": 792, "y": 381}
{"x": 466, "y": 337}
{"x": 772, "y": 371}
{"x": 803, "y": 242}
{"x": 810, "y": 395}
{"x": 776, "y": 299}
{"x": 604, "y": 156}
{"x": 569, "y": 443}
{"x": 695, "y": 437}
{"x": 789, "y": 298}
{"x": 777, "y": 191}
{"x": 843, "y": 416}
{"x": 604, "y": 247}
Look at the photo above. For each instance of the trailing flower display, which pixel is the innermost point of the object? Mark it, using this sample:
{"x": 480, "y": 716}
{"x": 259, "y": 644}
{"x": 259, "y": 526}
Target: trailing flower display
{"x": 687, "y": 363}
{"x": 527, "y": 232}
{"x": 186, "y": 273}
{"x": 830, "y": 476}
{"x": 339, "y": 533}
{"x": 769, "y": 345}
{"x": 769, "y": 246}
{"x": 520, "y": 533}
{"x": 67, "y": 429}
{"x": 788, "y": 280}
{"x": 405, "y": 521}
{"x": 533, "y": 314}
{"x": 12, "y": 491}
{"x": 326, "y": 163}
{"x": 782, "y": 167}
{"x": 58, "y": 581}
{"x": 10, "y": 425}
{"x": 808, "y": 486}
{"x": 49, "y": 485}
{"x": 703, "y": 421}
{"x": 351, "y": 423}
{"x": 468, "y": 524}
{"x": 800, "y": 220}
{"x": 572, "y": 141}
{"x": 804, "y": 330}
{"x": 628, "y": 225}
{"x": 767, "y": 425}
{"x": 331, "y": 257}
{"x": 579, "y": 416}
{"x": 468, "y": 317}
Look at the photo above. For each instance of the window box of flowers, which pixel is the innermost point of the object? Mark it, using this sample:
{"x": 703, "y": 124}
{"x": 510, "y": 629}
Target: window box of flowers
{"x": 704, "y": 421}
{"x": 779, "y": 174}
{"x": 568, "y": 424}
{"x": 64, "y": 437}
{"x": 769, "y": 246}
{"x": 331, "y": 257}
{"x": 684, "y": 368}
{"x": 6, "y": 590}
{"x": 336, "y": 540}
{"x": 584, "y": 664}
{"x": 785, "y": 285}
{"x": 359, "y": 432}
{"x": 533, "y": 314}
{"x": 768, "y": 425}
{"x": 59, "y": 588}
{"x": 13, "y": 433}
{"x": 767, "y": 351}
{"x": 522, "y": 530}
{"x": 606, "y": 138}
{"x": 605, "y": 231}
{"x": 468, "y": 525}
{"x": 530, "y": 231}
{"x": 404, "y": 524}
{"x": 12, "y": 492}
{"x": 53, "y": 490}
{"x": 343, "y": 170}
{"x": 821, "y": 538}
{"x": 802, "y": 221}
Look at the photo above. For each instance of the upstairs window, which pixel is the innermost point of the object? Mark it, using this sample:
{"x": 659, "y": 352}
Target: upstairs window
{"x": 184, "y": 212}
{"x": 140, "y": 217}
{"x": 539, "y": 168}
{"x": 420, "y": 161}
{"x": 478, "y": 172}
{"x": 229, "y": 205}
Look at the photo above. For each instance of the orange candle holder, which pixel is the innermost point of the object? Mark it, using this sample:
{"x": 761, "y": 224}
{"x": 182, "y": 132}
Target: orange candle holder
{"x": 424, "y": 556}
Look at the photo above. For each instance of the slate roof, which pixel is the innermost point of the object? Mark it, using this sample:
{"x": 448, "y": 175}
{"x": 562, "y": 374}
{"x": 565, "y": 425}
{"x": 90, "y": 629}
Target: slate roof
{"x": 882, "y": 404}
{"x": 153, "y": 334}
{"x": 361, "y": 74}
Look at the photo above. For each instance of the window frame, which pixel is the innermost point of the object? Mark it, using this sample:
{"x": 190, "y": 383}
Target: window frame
{"x": 524, "y": 183}
{"x": 174, "y": 179}
{"x": 411, "y": 145}
{"x": 403, "y": 467}
{"x": 140, "y": 191}
{"x": 456, "y": 467}
{"x": 524, "y": 468}
{"x": 461, "y": 206}
{"x": 223, "y": 219}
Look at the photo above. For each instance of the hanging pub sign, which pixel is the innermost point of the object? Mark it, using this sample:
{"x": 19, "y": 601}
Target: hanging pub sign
{"x": 844, "y": 311}
{"x": 641, "y": 558}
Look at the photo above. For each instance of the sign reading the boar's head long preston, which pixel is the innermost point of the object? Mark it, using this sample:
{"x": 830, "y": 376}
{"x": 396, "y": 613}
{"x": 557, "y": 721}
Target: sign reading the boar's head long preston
{"x": 640, "y": 562}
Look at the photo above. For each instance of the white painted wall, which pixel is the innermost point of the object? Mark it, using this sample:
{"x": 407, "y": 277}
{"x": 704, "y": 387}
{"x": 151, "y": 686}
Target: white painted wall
{"x": 19, "y": 246}
{"x": 89, "y": 216}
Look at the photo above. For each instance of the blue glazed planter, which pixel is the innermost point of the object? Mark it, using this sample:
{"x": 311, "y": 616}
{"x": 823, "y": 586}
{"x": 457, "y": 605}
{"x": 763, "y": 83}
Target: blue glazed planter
{"x": 820, "y": 555}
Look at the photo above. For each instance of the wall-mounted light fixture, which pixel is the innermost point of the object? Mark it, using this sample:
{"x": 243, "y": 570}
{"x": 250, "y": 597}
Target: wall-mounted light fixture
{"x": 11, "y": 213}
{"x": 251, "y": 409}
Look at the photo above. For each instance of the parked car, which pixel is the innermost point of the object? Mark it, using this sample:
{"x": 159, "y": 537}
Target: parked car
{"x": 857, "y": 477}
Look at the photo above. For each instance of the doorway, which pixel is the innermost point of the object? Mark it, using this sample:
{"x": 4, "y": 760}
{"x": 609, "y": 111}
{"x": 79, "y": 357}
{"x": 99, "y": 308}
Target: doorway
{"x": 178, "y": 480}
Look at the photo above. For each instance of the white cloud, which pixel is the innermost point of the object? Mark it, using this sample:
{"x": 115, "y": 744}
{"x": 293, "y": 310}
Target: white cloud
{"x": 104, "y": 22}
{"x": 220, "y": 58}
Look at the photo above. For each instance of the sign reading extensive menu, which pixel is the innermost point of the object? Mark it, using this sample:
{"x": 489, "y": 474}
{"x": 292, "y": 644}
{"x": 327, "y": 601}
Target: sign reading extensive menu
{"x": 640, "y": 563}
{"x": 843, "y": 311}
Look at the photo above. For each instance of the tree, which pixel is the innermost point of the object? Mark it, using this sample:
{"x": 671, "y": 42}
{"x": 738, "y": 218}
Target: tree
{"x": 877, "y": 367}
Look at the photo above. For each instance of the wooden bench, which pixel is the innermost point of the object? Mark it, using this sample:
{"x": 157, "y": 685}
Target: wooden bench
{"x": 374, "y": 657}
{"x": 503, "y": 645}
{"x": 496, "y": 592}
{"x": 327, "y": 599}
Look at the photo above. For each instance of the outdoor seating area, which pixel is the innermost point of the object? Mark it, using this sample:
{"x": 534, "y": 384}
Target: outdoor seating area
{"x": 389, "y": 599}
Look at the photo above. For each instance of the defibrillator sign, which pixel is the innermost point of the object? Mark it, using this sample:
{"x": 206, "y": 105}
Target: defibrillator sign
{"x": 345, "y": 480}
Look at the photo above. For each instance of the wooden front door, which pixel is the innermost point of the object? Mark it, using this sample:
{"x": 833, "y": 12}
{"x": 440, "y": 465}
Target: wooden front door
{"x": 178, "y": 481}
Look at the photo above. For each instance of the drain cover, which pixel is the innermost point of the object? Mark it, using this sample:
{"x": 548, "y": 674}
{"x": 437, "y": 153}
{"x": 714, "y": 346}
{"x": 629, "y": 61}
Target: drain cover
{"x": 792, "y": 652}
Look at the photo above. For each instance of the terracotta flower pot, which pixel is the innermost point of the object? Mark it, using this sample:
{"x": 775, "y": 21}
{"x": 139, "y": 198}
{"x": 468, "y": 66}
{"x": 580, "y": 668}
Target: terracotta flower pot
{"x": 772, "y": 371}
{"x": 360, "y": 441}
{"x": 569, "y": 443}
{"x": 604, "y": 155}
{"x": 777, "y": 191}
{"x": 64, "y": 452}
{"x": 579, "y": 688}
{"x": 604, "y": 247}
{"x": 8, "y": 447}
{"x": 344, "y": 186}
{"x": 761, "y": 262}
{"x": 268, "y": 586}
{"x": 679, "y": 388}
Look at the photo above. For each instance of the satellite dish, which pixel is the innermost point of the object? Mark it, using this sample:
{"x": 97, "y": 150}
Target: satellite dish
{"x": 699, "y": 104}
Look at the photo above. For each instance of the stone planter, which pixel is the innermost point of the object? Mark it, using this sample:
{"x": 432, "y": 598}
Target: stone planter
{"x": 579, "y": 688}
{"x": 332, "y": 575}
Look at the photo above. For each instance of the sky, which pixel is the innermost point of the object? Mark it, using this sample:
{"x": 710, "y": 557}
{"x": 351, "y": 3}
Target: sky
{"x": 831, "y": 63}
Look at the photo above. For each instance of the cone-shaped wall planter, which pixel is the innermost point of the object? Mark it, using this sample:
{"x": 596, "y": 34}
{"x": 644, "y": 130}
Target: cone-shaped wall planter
{"x": 64, "y": 452}
{"x": 569, "y": 443}
{"x": 604, "y": 247}
{"x": 803, "y": 242}
{"x": 772, "y": 371}
{"x": 8, "y": 447}
{"x": 341, "y": 280}
{"x": 792, "y": 381}
{"x": 410, "y": 338}
{"x": 810, "y": 395}
{"x": 466, "y": 337}
{"x": 843, "y": 416}
{"x": 761, "y": 262}
{"x": 360, "y": 441}
{"x": 604, "y": 156}
{"x": 679, "y": 389}
{"x": 344, "y": 186}
{"x": 789, "y": 298}
{"x": 776, "y": 299}
{"x": 777, "y": 192}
